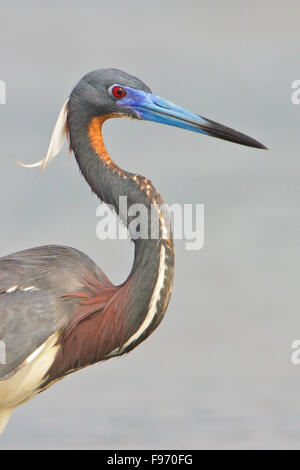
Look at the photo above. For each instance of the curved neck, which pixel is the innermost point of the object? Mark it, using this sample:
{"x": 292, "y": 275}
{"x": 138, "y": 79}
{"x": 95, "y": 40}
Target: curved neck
{"x": 149, "y": 284}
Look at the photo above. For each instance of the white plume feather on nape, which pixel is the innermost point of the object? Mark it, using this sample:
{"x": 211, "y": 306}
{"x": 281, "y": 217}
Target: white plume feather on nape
{"x": 60, "y": 131}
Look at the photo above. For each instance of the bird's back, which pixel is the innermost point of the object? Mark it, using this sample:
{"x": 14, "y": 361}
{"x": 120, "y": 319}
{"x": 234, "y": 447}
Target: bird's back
{"x": 33, "y": 286}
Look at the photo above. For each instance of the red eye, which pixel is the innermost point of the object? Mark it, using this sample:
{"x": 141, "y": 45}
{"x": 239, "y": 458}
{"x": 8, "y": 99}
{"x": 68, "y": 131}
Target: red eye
{"x": 118, "y": 91}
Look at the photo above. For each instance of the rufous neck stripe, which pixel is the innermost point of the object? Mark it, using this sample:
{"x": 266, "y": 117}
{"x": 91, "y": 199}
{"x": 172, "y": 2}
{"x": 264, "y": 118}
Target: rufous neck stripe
{"x": 96, "y": 138}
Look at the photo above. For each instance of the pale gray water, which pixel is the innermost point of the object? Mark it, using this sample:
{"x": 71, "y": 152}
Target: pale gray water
{"x": 217, "y": 373}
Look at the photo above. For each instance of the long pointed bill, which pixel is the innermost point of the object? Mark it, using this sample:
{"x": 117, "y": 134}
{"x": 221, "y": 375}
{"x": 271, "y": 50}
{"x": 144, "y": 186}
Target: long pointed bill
{"x": 154, "y": 108}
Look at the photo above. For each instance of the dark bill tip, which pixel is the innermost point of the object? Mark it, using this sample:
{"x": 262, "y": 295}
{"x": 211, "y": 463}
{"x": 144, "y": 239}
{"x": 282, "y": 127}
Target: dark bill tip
{"x": 219, "y": 131}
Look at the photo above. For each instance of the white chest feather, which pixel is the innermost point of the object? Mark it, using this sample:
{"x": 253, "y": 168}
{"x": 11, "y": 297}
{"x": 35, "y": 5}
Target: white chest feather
{"x": 24, "y": 384}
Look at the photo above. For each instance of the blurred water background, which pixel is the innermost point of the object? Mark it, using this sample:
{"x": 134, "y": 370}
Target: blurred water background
{"x": 218, "y": 372}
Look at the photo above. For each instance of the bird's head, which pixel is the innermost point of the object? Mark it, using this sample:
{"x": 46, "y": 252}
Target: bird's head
{"x": 110, "y": 93}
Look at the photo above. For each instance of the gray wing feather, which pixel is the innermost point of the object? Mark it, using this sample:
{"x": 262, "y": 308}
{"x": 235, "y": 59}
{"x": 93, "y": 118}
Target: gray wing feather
{"x": 27, "y": 319}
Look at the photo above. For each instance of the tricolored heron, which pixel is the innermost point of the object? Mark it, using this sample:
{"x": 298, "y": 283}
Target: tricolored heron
{"x": 58, "y": 310}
